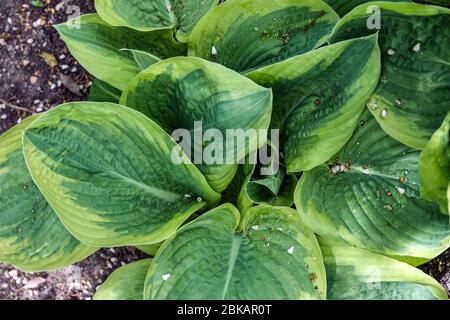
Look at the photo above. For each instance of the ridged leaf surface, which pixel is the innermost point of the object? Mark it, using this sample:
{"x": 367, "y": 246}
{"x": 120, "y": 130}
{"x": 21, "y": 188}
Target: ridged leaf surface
{"x": 247, "y": 34}
{"x": 31, "y": 236}
{"x": 97, "y": 47}
{"x": 107, "y": 172}
{"x": 274, "y": 256}
{"x": 412, "y": 98}
{"x": 319, "y": 97}
{"x": 179, "y": 91}
{"x": 148, "y": 15}
{"x": 358, "y": 274}
{"x": 369, "y": 197}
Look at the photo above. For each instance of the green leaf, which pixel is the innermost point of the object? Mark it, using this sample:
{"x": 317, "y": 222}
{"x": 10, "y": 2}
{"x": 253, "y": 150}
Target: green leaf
{"x": 411, "y": 100}
{"x": 143, "y": 59}
{"x": 97, "y": 47}
{"x": 103, "y": 92}
{"x": 235, "y": 192}
{"x": 268, "y": 184}
{"x": 434, "y": 167}
{"x": 150, "y": 15}
{"x": 197, "y": 90}
{"x": 125, "y": 283}
{"x": 107, "y": 171}
{"x": 37, "y": 3}
{"x": 369, "y": 197}
{"x": 31, "y": 236}
{"x": 358, "y": 274}
{"x": 274, "y": 257}
{"x": 275, "y": 190}
{"x": 150, "y": 249}
{"x": 319, "y": 97}
{"x": 247, "y": 34}
{"x": 342, "y": 7}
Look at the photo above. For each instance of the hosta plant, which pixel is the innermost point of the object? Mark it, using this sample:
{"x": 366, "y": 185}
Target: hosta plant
{"x": 338, "y": 184}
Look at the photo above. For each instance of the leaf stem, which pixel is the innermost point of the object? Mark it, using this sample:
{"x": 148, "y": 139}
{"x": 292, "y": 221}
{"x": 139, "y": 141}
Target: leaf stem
{"x": 12, "y": 106}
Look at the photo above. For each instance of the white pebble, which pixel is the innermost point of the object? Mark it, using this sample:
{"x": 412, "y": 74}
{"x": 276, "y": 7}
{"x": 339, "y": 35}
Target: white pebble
{"x": 417, "y": 47}
{"x": 336, "y": 168}
{"x": 3, "y": 116}
{"x": 30, "y": 41}
{"x": 401, "y": 190}
{"x": 13, "y": 273}
{"x": 64, "y": 67}
{"x": 37, "y": 23}
{"x": 39, "y": 109}
{"x": 391, "y": 52}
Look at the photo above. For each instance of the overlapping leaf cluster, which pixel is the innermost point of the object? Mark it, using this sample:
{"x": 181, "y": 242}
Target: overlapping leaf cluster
{"x": 363, "y": 192}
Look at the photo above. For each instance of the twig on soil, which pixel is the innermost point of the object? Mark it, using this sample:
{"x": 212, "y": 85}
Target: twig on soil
{"x": 12, "y": 106}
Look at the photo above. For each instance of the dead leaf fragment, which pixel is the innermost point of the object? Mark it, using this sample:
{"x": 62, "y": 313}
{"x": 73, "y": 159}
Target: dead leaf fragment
{"x": 34, "y": 283}
{"x": 49, "y": 59}
{"x": 70, "y": 85}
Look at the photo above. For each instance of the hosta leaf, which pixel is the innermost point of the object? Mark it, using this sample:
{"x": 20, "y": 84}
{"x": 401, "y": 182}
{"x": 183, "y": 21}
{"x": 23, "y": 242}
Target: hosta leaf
{"x": 107, "y": 172}
{"x": 275, "y": 190}
{"x": 369, "y": 197}
{"x": 261, "y": 184}
{"x": 147, "y": 15}
{"x": 235, "y": 192}
{"x": 143, "y": 59}
{"x": 319, "y": 97}
{"x": 193, "y": 89}
{"x": 412, "y": 98}
{"x": 31, "y": 236}
{"x": 342, "y": 7}
{"x": 247, "y": 34}
{"x": 97, "y": 46}
{"x": 150, "y": 249}
{"x": 435, "y": 167}
{"x": 125, "y": 283}
{"x": 358, "y": 274}
{"x": 103, "y": 92}
{"x": 274, "y": 257}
